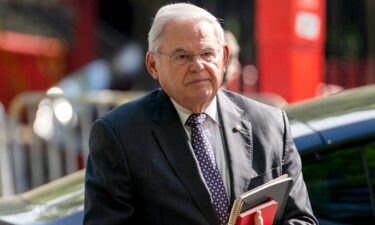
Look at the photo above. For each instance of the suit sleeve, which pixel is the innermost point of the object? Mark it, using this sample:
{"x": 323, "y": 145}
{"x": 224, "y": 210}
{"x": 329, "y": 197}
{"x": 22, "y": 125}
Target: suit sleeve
{"x": 298, "y": 209}
{"x": 106, "y": 172}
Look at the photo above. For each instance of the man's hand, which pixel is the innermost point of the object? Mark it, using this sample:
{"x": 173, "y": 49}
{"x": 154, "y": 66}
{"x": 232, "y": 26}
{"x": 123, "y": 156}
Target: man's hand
{"x": 258, "y": 219}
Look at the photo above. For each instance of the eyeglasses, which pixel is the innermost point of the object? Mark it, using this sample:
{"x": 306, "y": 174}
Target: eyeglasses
{"x": 181, "y": 58}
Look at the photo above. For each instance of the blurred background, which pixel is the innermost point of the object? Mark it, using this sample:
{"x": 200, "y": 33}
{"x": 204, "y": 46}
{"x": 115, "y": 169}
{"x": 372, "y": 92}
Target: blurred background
{"x": 64, "y": 62}
{"x": 296, "y": 49}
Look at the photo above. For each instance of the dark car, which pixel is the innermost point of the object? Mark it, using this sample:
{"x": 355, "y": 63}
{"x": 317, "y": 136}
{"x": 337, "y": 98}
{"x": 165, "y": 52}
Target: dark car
{"x": 57, "y": 203}
{"x": 336, "y": 139}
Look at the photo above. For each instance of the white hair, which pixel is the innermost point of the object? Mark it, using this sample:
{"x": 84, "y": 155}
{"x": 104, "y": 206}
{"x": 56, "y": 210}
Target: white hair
{"x": 179, "y": 11}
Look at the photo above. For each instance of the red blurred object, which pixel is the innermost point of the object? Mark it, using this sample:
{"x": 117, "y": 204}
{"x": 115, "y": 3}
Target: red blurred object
{"x": 290, "y": 47}
{"x": 84, "y": 43}
{"x": 29, "y": 62}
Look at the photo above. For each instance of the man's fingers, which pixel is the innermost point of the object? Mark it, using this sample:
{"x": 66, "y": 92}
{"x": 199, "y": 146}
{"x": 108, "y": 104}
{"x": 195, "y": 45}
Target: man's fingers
{"x": 258, "y": 219}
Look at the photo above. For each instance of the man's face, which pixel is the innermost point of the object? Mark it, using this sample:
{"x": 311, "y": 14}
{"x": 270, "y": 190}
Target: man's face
{"x": 191, "y": 83}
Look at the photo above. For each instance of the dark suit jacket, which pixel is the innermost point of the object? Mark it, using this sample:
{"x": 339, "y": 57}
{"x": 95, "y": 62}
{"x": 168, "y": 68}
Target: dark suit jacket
{"x": 141, "y": 169}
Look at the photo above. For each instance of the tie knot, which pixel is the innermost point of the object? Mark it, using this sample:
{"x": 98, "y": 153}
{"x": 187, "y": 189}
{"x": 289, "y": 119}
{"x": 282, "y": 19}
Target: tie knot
{"x": 195, "y": 119}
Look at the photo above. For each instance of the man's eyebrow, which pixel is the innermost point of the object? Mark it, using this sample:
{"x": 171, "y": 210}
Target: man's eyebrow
{"x": 179, "y": 50}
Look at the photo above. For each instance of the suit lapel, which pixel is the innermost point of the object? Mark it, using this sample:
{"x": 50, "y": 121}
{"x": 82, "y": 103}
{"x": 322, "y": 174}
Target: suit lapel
{"x": 174, "y": 143}
{"x": 239, "y": 145}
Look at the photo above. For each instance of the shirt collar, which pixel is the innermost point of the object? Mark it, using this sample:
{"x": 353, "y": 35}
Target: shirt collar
{"x": 184, "y": 114}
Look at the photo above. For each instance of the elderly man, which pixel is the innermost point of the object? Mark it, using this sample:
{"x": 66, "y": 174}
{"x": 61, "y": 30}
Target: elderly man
{"x": 181, "y": 154}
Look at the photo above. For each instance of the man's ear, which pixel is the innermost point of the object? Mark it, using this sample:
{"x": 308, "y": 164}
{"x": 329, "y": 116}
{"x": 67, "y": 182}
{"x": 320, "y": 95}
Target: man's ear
{"x": 151, "y": 65}
{"x": 225, "y": 56}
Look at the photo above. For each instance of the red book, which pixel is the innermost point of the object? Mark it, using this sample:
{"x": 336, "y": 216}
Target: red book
{"x": 267, "y": 208}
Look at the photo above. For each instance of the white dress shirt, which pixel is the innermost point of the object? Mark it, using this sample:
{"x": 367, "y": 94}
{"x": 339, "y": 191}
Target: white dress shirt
{"x": 213, "y": 130}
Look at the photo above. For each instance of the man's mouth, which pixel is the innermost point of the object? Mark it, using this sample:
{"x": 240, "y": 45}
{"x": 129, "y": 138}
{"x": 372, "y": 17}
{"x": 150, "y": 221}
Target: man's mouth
{"x": 198, "y": 81}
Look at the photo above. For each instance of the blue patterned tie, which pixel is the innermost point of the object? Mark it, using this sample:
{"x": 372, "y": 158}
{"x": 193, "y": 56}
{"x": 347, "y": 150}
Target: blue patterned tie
{"x": 208, "y": 166}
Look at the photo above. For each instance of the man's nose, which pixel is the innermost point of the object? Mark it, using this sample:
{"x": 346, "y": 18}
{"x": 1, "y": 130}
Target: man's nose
{"x": 196, "y": 64}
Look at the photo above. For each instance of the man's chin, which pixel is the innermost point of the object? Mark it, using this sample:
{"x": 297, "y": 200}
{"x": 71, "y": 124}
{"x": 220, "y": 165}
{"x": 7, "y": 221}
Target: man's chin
{"x": 204, "y": 95}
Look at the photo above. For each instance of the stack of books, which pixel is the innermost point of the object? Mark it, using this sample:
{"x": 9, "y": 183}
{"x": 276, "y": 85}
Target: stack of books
{"x": 269, "y": 198}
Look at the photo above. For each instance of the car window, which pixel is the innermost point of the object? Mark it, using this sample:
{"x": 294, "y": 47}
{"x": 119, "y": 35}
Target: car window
{"x": 338, "y": 184}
